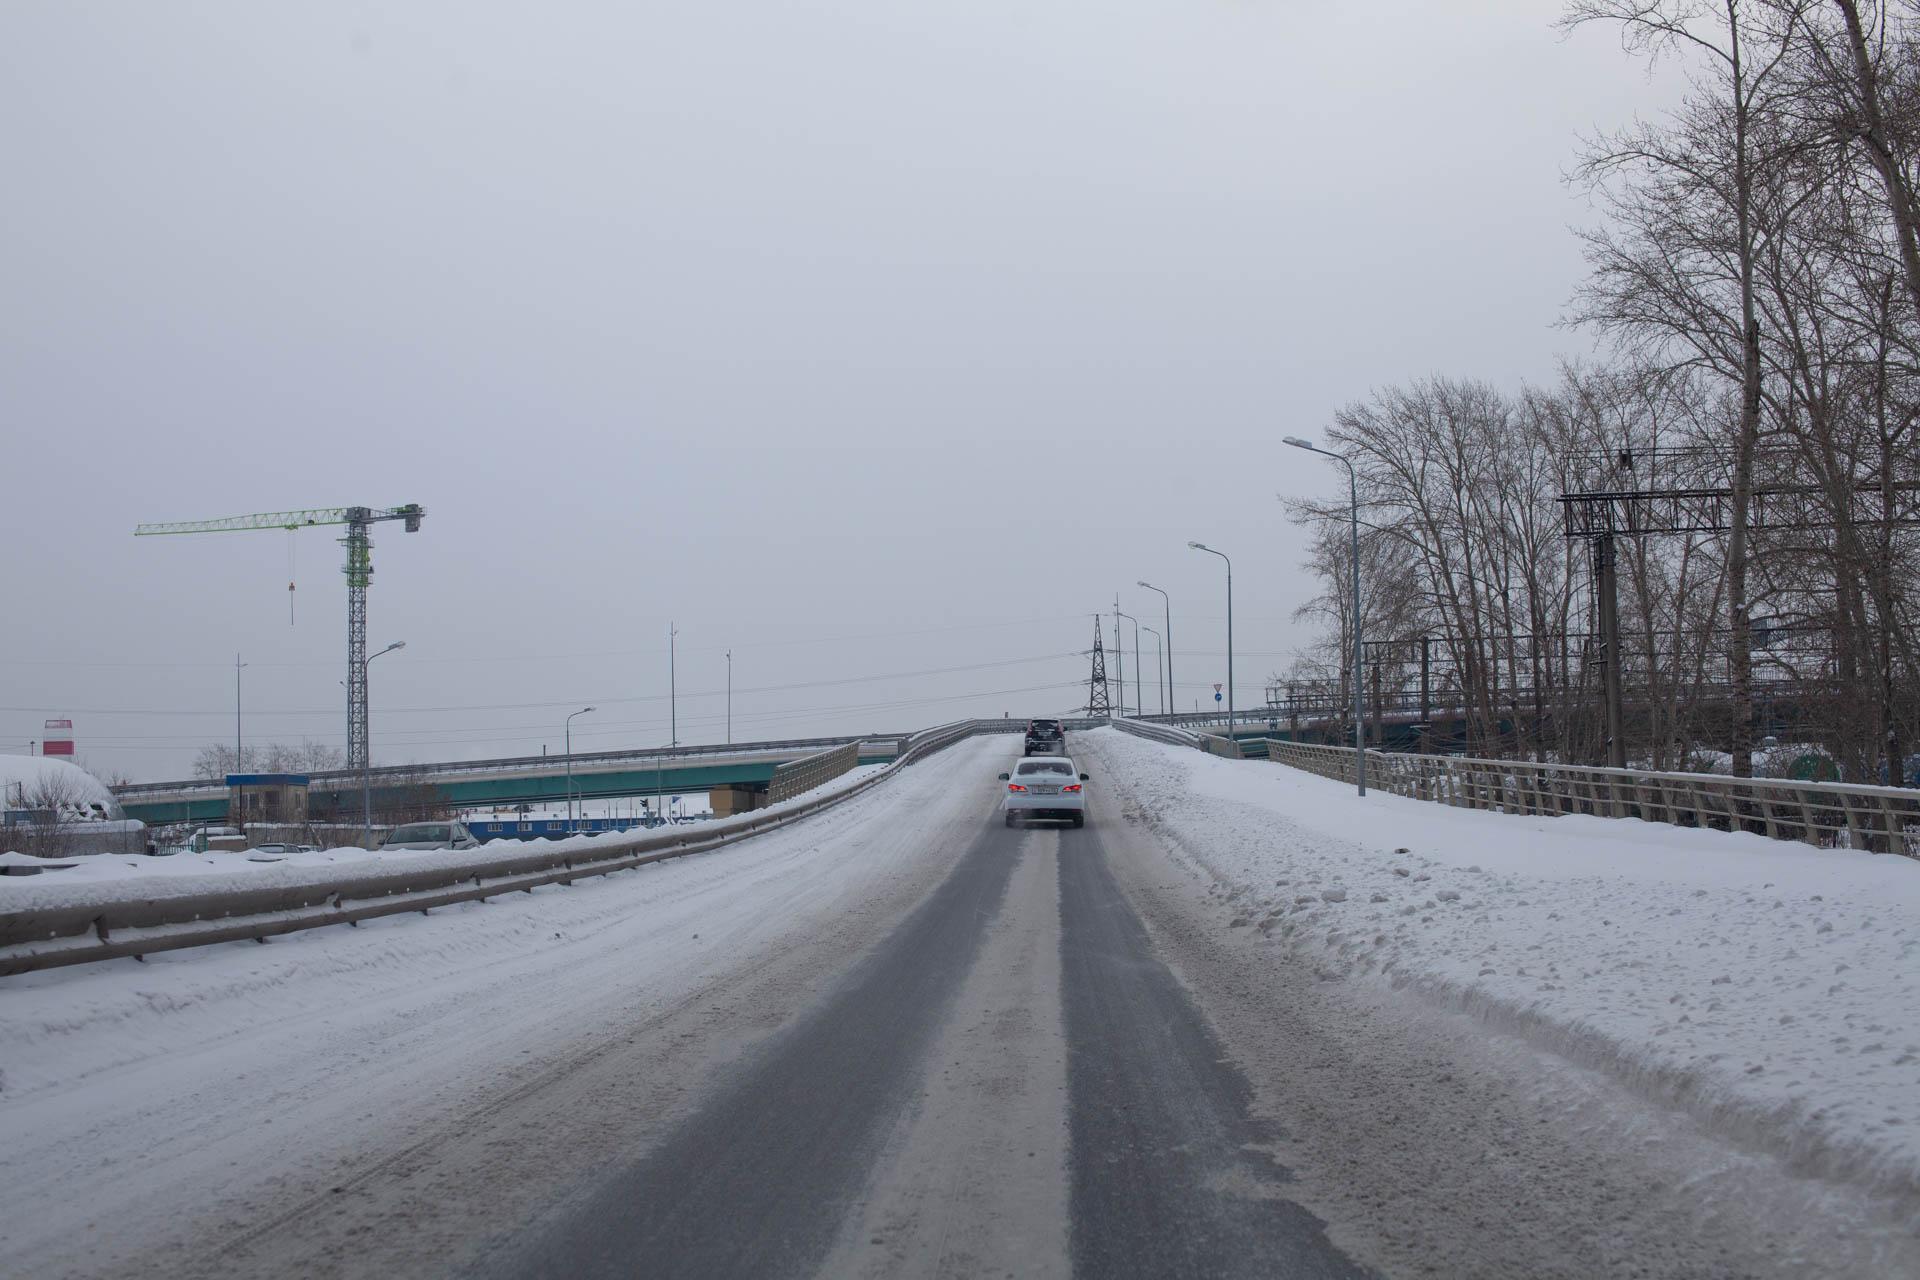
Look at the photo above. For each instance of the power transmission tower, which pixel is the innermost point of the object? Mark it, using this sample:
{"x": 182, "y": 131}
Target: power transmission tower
{"x": 1097, "y": 704}
{"x": 359, "y": 571}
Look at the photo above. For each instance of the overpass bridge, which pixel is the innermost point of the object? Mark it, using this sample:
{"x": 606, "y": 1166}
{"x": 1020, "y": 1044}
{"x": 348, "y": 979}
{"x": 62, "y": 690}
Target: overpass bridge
{"x": 535, "y": 780}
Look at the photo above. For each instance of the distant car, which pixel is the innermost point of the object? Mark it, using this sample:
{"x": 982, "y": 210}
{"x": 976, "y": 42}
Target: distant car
{"x": 1045, "y": 737}
{"x": 1045, "y": 787}
{"x": 430, "y": 835}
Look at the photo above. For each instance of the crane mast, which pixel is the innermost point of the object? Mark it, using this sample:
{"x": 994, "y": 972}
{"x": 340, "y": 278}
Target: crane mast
{"x": 358, "y": 568}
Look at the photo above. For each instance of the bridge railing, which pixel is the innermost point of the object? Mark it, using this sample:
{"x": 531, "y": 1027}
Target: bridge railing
{"x": 101, "y": 922}
{"x": 1827, "y": 814}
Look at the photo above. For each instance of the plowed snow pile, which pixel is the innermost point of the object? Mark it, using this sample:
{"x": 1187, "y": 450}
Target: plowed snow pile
{"x": 1768, "y": 987}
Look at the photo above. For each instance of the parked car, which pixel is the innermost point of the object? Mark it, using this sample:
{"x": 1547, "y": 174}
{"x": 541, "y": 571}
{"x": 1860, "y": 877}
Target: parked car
{"x": 1045, "y": 737}
{"x": 1045, "y": 787}
{"x": 213, "y": 840}
{"x": 271, "y": 852}
{"x": 430, "y": 835}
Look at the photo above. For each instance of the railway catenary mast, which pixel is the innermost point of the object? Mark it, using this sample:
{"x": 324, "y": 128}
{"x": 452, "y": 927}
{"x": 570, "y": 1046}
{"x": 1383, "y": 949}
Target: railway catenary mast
{"x": 358, "y": 568}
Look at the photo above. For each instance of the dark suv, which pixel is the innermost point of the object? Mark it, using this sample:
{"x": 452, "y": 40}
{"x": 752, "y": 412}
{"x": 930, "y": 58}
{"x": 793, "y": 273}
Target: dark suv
{"x": 1046, "y": 738}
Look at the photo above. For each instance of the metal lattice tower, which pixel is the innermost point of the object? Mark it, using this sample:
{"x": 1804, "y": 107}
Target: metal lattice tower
{"x": 1097, "y": 704}
{"x": 359, "y": 571}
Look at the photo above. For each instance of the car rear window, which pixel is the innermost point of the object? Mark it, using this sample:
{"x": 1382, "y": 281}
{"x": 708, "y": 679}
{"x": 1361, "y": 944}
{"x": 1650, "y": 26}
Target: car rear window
{"x": 420, "y": 832}
{"x": 1045, "y": 766}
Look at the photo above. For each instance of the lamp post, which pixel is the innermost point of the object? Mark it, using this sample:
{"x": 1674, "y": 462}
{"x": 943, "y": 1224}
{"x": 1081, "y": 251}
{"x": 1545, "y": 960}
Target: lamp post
{"x": 1201, "y": 546}
{"x": 1167, "y": 606}
{"x": 366, "y": 764}
{"x": 238, "y": 667}
{"x": 1138, "y": 707}
{"x": 729, "y": 697}
{"x": 572, "y": 826}
{"x": 1160, "y": 661}
{"x": 673, "y": 693}
{"x": 1359, "y": 705}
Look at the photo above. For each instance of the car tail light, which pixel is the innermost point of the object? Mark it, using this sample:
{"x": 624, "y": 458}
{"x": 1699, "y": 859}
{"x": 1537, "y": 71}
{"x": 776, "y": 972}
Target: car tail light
{"x": 1071, "y": 787}
{"x": 1014, "y": 786}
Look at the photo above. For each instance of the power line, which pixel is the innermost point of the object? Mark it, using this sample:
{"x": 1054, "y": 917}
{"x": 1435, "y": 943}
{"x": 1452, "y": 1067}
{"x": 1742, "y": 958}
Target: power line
{"x": 534, "y": 706}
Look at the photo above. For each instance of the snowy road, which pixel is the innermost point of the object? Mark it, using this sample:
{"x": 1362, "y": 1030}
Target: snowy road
{"x": 895, "y": 1039}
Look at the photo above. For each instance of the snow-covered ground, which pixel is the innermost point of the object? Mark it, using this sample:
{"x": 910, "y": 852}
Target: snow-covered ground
{"x": 151, "y": 1111}
{"x": 99, "y": 876}
{"x": 1769, "y": 988}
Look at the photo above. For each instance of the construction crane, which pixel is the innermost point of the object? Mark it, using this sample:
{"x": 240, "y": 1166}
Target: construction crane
{"x": 359, "y": 571}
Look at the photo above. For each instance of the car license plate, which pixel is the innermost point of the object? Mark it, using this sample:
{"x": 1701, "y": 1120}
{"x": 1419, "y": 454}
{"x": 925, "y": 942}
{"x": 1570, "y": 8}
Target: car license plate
{"x": 1046, "y": 791}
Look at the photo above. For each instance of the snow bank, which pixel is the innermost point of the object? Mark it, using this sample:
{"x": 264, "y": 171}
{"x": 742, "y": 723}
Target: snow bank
{"x": 1768, "y": 987}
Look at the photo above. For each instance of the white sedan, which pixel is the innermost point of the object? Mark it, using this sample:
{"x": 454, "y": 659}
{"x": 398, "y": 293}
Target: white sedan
{"x": 1045, "y": 787}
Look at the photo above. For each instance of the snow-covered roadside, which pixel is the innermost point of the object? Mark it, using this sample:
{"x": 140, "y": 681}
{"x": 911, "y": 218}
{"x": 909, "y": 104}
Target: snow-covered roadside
{"x": 219, "y": 1085}
{"x": 1769, "y": 988}
{"x": 101, "y": 877}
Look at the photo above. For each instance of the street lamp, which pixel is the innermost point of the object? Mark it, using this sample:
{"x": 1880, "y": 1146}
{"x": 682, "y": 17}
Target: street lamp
{"x": 571, "y": 825}
{"x": 366, "y": 765}
{"x": 1167, "y": 606}
{"x": 1138, "y": 709}
{"x": 1359, "y": 708}
{"x": 729, "y": 697}
{"x": 1160, "y": 661}
{"x": 1201, "y": 546}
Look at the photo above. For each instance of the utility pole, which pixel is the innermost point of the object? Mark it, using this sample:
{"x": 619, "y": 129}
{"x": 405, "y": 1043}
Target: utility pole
{"x": 1120, "y": 656}
{"x": 1139, "y": 707}
{"x": 729, "y": 697}
{"x": 673, "y": 693}
{"x": 238, "y": 767}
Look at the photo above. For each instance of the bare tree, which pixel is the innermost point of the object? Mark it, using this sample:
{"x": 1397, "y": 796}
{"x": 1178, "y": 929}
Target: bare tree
{"x": 1675, "y": 270}
{"x": 217, "y": 759}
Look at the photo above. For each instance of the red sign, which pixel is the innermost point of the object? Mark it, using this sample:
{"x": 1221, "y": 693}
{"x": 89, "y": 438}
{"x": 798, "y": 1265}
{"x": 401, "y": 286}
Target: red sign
{"x": 57, "y": 739}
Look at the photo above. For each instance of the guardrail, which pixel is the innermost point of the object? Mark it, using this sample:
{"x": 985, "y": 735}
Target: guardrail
{"x": 150, "y": 919}
{"x": 1219, "y": 746}
{"x": 1827, "y": 814}
{"x": 1212, "y": 743}
{"x": 1168, "y": 734}
{"x": 798, "y": 777}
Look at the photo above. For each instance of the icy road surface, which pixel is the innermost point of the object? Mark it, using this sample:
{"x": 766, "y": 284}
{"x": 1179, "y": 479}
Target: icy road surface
{"x": 900, "y": 1039}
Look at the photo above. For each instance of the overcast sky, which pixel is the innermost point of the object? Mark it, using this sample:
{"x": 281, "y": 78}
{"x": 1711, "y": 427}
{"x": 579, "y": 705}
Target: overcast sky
{"x": 865, "y": 340}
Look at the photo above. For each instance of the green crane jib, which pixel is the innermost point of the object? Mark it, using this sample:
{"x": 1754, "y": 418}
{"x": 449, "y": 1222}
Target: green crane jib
{"x": 359, "y": 571}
